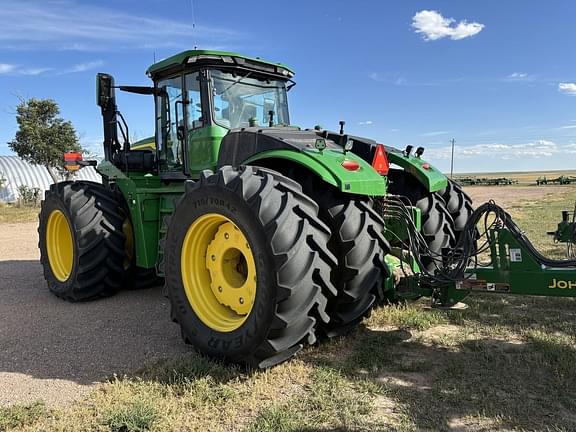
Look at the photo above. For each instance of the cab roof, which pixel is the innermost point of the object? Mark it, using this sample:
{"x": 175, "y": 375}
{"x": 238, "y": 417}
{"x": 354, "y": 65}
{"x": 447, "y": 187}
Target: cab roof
{"x": 219, "y": 58}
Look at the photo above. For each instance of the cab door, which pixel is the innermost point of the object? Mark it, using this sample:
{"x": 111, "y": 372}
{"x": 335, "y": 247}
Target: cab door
{"x": 203, "y": 136}
{"x": 171, "y": 128}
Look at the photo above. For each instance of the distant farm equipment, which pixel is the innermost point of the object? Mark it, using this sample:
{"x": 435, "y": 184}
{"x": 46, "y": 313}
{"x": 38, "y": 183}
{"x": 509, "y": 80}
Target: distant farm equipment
{"x": 485, "y": 181}
{"x": 562, "y": 180}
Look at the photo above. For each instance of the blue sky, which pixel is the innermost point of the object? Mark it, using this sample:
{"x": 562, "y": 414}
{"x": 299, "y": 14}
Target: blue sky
{"x": 498, "y": 76}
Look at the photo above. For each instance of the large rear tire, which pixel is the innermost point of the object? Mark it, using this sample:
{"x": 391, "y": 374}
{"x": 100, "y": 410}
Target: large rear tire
{"x": 357, "y": 241}
{"x": 458, "y": 204}
{"x": 81, "y": 241}
{"x": 359, "y": 245}
{"x": 247, "y": 266}
{"x": 437, "y": 223}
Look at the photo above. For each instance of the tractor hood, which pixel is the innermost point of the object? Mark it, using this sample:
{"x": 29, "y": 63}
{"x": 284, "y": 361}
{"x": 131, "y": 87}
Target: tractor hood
{"x": 319, "y": 152}
{"x": 242, "y": 145}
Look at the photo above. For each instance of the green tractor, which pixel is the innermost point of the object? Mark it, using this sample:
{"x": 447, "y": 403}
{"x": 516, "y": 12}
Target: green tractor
{"x": 268, "y": 237}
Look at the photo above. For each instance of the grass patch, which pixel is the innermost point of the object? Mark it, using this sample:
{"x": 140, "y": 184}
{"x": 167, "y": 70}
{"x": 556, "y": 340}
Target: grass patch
{"x": 331, "y": 402}
{"x": 138, "y": 416}
{"x": 14, "y": 214}
{"x": 277, "y": 419}
{"x": 558, "y": 353}
{"x": 192, "y": 373}
{"x": 409, "y": 316}
{"x": 18, "y": 416}
{"x": 538, "y": 217}
{"x": 375, "y": 350}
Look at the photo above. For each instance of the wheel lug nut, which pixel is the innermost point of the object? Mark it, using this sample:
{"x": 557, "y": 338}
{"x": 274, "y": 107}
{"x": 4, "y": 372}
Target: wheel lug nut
{"x": 213, "y": 257}
{"x": 226, "y": 236}
{"x": 220, "y": 288}
{"x": 241, "y": 300}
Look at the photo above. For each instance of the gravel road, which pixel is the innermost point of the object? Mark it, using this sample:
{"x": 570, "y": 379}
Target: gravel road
{"x": 55, "y": 351}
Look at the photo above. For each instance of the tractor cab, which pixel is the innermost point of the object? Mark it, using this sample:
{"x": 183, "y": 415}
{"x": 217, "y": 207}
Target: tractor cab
{"x": 200, "y": 96}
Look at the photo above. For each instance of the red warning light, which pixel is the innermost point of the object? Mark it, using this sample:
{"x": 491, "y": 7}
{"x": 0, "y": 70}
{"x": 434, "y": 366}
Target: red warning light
{"x": 71, "y": 161}
{"x": 350, "y": 165}
{"x": 380, "y": 161}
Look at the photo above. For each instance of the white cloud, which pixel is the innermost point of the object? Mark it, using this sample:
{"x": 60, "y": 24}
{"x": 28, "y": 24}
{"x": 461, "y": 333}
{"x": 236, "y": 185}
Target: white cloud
{"x": 75, "y": 25}
{"x": 366, "y": 123}
{"x": 535, "y": 149}
{"x": 83, "y": 67}
{"x": 572, "y": 126}
{"x": 34, "y": 71}
{"x": 19, "y": 70}
{"x": 435, "y": 133}
{"x": 568, "y": 88}
{"x": 571, "y": 148}
{"x": 6, "y": 68}
{"x": 519, "y": 76}
{"x": 433, "y": 26}
{"x": 388, "y": 78}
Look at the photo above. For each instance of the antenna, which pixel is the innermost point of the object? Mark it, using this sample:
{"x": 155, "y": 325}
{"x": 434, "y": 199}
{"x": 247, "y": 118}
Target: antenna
{"x": 193, "y": 24}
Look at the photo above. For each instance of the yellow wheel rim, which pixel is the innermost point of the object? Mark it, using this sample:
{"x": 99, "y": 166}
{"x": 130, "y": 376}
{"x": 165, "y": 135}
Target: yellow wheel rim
{"x": 218, "y": 272}
{"x": 128, "y": 243}
{"x": 60, "y": 245}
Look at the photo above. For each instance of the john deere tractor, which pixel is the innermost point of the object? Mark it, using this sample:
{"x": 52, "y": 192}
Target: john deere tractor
{"x": 268, "y": 237}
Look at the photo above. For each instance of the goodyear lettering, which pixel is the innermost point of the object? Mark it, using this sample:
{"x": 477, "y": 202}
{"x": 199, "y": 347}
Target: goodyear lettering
{"x": 562, "y": 284}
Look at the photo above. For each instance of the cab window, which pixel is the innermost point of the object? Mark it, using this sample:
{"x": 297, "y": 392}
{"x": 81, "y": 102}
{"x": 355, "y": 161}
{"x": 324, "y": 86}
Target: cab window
{"x": 193, "y": 103}
{"x": 170, "y": 125}
{"x": 241, "y": 100}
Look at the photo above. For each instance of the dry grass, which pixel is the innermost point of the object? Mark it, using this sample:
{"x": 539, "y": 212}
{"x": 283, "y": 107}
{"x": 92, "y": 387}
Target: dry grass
{"x": 506, "y": 363}
{"x": 10, "y": 213}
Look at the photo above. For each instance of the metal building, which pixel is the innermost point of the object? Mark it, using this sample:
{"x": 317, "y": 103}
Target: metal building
{"x": 16, "y": 172}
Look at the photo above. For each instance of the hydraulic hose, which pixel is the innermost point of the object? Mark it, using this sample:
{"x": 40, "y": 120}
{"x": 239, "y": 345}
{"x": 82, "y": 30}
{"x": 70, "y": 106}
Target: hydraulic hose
{"x": 470, "y": 244}
{"x": 517, "y": 233}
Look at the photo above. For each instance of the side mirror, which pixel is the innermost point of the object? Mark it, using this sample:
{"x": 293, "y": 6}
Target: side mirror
{"x": 104, "y": 90}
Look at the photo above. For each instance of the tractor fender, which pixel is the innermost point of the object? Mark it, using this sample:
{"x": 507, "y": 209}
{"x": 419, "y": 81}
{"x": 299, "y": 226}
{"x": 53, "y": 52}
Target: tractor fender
{"x": 327, "y": 165}
{"x": 429, "y": 176}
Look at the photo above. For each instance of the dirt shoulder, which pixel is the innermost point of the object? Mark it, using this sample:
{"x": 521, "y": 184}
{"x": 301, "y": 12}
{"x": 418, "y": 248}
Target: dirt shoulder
{"x": 56, "y": 351}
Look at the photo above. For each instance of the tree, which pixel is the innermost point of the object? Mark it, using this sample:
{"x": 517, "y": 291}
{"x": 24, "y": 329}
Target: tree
{"x": 43, "y": 137}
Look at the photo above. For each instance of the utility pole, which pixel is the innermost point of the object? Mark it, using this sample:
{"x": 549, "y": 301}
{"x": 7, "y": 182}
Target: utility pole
{"x": 452, "y": 160}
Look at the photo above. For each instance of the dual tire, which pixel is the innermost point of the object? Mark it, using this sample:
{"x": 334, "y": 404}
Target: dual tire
{"x": 444, "y": 215}
{"x": 358, "y": 242}
{"x": 304, "y": 266}
{"x": 81, "y": 241}
{"x": 247, "y": 266}
{"x": 87, "y": 243}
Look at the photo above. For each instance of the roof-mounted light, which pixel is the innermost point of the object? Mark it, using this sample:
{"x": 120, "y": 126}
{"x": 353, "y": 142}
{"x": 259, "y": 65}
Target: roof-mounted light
{"x": 194, "y": 59}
